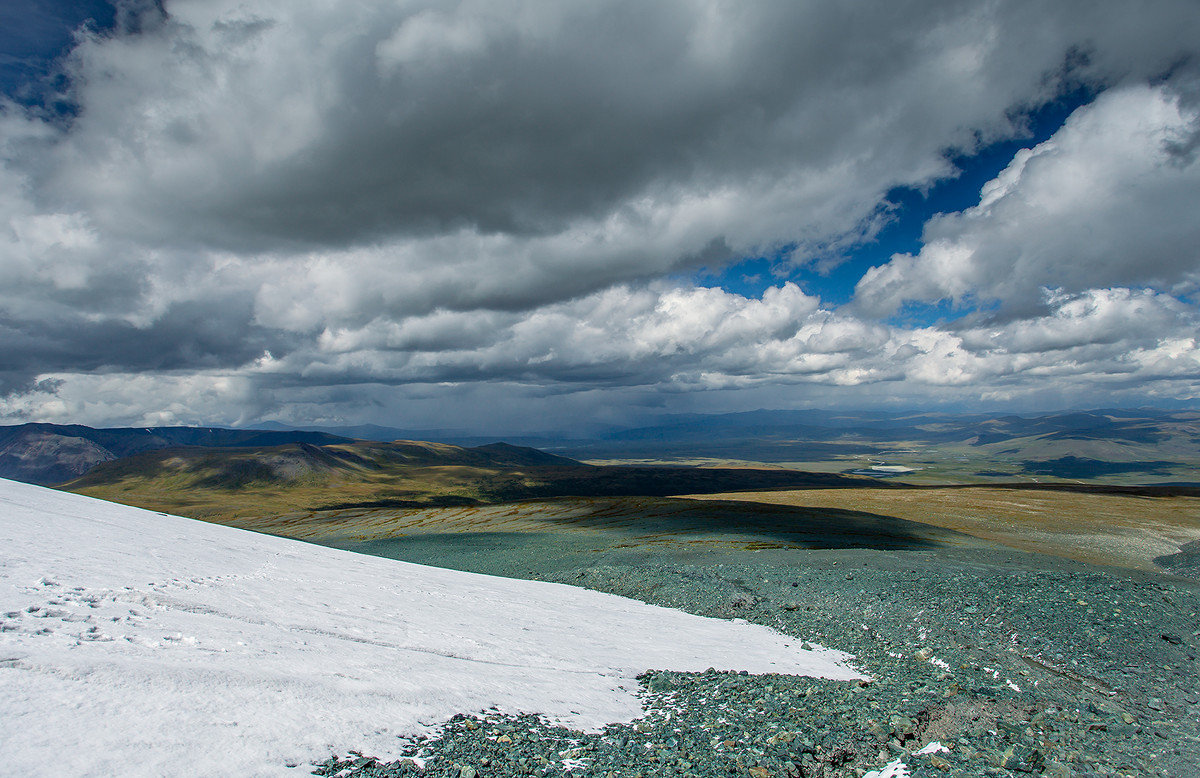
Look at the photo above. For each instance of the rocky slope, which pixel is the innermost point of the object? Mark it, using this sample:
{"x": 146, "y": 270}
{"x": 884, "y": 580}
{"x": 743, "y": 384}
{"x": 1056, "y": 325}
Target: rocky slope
{"x": 1013, "y": 664}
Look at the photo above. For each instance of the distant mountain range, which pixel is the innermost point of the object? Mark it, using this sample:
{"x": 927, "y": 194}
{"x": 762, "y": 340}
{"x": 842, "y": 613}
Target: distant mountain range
{"x": 1117, "y": 445}
{"x": 1158, "y": 445}
{"x": 53, "y": 453}
{"x": 842, "y": 428}
{"x": 1143, "y": 425}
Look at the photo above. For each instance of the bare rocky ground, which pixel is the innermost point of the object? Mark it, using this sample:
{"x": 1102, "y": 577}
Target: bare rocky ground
{"x": 1016, "y": 663}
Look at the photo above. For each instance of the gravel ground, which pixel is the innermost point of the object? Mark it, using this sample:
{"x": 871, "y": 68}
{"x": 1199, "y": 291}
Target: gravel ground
{"x": 1017, "y": 664}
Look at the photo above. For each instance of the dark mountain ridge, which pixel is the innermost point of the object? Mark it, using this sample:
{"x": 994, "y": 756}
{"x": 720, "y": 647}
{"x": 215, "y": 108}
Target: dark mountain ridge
{"x": 781, "y": 436}
{"x": 53, "y": 453}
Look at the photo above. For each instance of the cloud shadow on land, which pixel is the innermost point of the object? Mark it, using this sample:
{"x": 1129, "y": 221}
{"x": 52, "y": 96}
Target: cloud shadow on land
{"x": 659, "y": 481}
{"x": 682, "y": 521}
{"x": 561, "y": 534}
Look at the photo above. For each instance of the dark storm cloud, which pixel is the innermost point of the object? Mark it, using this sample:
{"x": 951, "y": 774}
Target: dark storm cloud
{"x": 251, "y": 126}
{"x": 255, "y": 206}
{"x": 187, "y": 336}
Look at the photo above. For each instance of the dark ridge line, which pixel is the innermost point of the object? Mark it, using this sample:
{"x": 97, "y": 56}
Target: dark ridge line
{"x": 1186, "y": 489}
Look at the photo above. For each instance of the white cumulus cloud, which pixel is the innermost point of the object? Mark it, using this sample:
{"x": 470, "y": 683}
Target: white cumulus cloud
{"x": 1109, "y": 200}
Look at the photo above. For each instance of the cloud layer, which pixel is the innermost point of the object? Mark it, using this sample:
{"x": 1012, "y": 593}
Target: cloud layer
{"x": 304, "y": 210}
{"x": 1109, "y": 200}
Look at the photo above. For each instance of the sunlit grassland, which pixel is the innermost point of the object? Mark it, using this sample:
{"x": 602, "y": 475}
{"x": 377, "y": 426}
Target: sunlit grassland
{"x": 368, "y": 492}
{"x": 1114, "y": 529}
{"x": 181, "y": 496}
{"x": 224, "y": 484}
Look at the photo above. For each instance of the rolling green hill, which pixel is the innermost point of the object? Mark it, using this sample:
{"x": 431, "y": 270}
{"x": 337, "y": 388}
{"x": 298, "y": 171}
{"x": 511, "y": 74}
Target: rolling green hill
{"x": 224, "y": 483}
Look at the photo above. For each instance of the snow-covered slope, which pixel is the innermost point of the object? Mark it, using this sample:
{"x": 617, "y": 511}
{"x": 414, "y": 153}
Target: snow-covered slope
{"x": 136, "y": 643}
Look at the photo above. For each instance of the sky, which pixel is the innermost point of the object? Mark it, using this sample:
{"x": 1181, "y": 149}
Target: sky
{"x": 527, "y": 215}
{"x": 140, "y": 644}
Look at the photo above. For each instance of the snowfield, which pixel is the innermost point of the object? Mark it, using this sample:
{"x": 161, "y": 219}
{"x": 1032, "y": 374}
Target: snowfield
{"x": 141, "y": 644}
